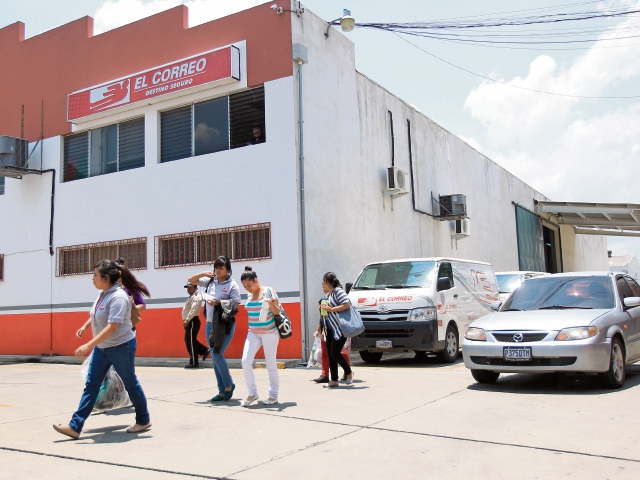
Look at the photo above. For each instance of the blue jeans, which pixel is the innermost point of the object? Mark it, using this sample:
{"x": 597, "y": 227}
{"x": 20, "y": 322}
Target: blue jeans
{"x": 122, "y": 357}
{"x": 220, "y": 366}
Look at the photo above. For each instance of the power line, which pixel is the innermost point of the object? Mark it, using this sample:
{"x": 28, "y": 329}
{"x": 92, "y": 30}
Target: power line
{"x": 508, "y": 84}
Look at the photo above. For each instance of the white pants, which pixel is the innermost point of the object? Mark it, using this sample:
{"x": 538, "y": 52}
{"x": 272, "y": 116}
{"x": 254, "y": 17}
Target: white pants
{"x": 269, "y": 341}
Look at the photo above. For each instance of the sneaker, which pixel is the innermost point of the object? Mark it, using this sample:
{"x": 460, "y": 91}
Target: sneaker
{"x": 321, "y": 379}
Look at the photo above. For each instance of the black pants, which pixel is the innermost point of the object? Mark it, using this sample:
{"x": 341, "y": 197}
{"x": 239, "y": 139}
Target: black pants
{"x": 194, "y": 347}
{"x": 334, "y": 349}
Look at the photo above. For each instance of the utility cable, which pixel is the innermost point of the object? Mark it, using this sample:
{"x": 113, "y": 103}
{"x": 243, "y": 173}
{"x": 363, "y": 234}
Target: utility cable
{"x": 509, "y": 84}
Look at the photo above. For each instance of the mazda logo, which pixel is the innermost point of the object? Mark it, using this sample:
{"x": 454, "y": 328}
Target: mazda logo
{"x": 518, "y": 337}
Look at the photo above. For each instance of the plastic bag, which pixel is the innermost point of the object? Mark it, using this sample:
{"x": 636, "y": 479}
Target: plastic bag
{"x": 346, "y": 350}
{"x": 315, "y": 355}
{"x": 112, "y": 393}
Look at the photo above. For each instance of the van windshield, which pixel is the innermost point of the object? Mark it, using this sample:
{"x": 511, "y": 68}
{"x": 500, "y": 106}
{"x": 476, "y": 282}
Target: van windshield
{"x": 396, "y": 275}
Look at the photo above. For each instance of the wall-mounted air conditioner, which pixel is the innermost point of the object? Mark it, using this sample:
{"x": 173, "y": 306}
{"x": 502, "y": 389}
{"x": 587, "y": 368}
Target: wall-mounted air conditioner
{"x": 452, "y": 206}
{"x": 396, "y": 180}
{"x": 460, "y": 228}
{"x": 13, "y": 152}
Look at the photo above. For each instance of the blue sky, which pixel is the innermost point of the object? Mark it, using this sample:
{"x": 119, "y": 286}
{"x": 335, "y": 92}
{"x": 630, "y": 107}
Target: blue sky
{"x": 570, "y": 150}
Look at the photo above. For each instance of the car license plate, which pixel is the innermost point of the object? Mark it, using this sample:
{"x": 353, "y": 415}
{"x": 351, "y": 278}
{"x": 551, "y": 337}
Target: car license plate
{"x": 517, "y": 354}
{"x": 383, "y": 344}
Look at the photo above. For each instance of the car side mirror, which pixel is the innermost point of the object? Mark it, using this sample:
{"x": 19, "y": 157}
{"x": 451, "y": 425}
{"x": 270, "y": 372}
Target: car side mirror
{"x": 631, "y": 302}
{"x": 444, "y": 283}
{"x": 495, "y": 306}
{"x": 347, "y": 287}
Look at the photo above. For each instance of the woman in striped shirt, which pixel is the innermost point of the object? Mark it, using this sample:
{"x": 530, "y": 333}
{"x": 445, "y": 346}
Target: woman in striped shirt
{"x": 262, "y": 304}
{"x": 338, "y": 302}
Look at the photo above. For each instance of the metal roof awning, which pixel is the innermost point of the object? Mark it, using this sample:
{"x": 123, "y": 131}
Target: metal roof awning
{"x": 612, "y": 219}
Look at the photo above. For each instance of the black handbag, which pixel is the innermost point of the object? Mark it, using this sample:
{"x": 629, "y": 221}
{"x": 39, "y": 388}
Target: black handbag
{"x": 283, "y": 323}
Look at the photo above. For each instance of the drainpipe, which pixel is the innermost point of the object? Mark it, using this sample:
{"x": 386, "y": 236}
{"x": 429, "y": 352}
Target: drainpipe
{"x": 300, "y": 56}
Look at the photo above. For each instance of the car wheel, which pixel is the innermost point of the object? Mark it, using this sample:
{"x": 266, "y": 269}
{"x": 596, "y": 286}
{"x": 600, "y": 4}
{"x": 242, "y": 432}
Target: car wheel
{"x": 370, "y": 357}
{"x": 614, "y": 377}
{"x": 485, "y": 376}
{"x": 451, "y": 346}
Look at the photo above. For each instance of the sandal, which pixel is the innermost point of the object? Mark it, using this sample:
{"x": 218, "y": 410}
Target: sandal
{"x": 138, "y": 428}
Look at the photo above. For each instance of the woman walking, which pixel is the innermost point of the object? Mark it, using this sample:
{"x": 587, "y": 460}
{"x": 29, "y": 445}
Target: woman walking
{"x": 338, "y": 302}
{"x": 261, "y": 306}
{"x": 220, "y": 286}
{"x": 115, "y": 345}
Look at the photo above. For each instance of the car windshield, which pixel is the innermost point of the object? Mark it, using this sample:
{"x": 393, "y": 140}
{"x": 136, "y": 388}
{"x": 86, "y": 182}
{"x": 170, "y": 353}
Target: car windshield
{"x": 395, "y": 275}
{"x": 562, "y": 292}
{"x": 507, "y": 283}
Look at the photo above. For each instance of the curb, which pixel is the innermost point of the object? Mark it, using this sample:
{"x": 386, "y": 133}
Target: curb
{"x": 140, "y": 361}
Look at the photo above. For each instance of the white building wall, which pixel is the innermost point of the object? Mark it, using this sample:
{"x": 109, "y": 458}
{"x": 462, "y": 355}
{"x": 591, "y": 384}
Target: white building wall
{"x": 347, "y": 151}
{"x": 236, "y": 187}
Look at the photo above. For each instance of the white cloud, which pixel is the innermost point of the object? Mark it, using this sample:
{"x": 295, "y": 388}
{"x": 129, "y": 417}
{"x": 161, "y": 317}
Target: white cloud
{"x": 115, "y": 13}
{"x": 568, "y": 148}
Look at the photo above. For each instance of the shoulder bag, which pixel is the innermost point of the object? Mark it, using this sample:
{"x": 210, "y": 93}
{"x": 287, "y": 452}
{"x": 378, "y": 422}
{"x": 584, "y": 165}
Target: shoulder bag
{"x": 135, "y": 313}
{"x": 351, "y": 322}
{"x": 283, "y": 324}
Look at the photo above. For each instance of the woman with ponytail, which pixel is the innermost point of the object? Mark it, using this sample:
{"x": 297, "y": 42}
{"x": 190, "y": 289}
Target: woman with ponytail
{"x": 115, "y": 345}
{"x": 262, "y": 305}
{"x": 338, "y": 302}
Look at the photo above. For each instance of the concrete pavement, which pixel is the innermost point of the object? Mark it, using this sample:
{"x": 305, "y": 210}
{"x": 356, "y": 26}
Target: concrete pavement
{"x": 400, "y": 419}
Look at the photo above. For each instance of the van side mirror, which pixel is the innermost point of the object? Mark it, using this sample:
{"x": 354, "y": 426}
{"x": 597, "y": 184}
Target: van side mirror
{"x": 495, "y": 306}
{"x": 631, "y": 302}
{"x": 444, "y": 283}
{"x": 347, "y": 287}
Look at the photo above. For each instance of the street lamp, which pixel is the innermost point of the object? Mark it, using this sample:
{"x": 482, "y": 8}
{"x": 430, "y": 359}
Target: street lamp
{"x": 347, "y": 23}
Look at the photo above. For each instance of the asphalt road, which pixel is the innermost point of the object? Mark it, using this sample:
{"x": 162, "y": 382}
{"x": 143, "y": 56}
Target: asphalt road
{"x": 402, "y": 418}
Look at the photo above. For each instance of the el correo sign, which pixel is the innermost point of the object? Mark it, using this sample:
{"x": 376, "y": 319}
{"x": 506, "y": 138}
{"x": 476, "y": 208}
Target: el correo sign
{"x": 220, "y": 66}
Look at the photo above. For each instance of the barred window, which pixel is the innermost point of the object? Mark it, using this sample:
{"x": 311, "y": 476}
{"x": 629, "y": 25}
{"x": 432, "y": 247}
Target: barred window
{"x": 1, "y": 268}
{"x": 80, "y": 259}
{"x": 1, "y": 185}
{"x": 245, "y": 242}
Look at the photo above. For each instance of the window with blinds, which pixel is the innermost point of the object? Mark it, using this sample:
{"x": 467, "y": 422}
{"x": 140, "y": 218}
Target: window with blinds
{"x": 245, "y": 242}
{"x": 215, "y": 125}
{"x": 80, "y": 259}
{"x": 109, "y": 149}
{"x": 176, "y": 134}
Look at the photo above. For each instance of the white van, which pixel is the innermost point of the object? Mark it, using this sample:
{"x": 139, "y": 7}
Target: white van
{"x": 421, "y": 305}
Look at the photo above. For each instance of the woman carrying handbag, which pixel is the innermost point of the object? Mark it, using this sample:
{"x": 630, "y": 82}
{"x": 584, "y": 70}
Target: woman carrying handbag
{"x": 262, "y": 306}
{"x": 333, "y": 337}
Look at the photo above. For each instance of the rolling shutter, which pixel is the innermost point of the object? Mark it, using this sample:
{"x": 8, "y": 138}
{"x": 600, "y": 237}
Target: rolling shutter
{"x": 76, "y": 156}
{"x": 131, "y": 144}
{"x": 175, "y": 134}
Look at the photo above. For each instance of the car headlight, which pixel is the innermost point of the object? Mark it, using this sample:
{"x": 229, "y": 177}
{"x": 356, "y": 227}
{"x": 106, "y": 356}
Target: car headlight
{"x": 422, "y": 314}
{"x": 476, "y": 334}
{"x": 577, "y": 333}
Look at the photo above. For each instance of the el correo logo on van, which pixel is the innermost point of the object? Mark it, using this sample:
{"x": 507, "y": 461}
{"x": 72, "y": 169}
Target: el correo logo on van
{"x": 402, "y": 299}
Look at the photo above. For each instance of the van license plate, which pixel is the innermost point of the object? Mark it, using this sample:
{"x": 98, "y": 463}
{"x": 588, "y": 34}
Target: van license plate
{"x": 516, "y": 354}
{"x": 383, "y": 344}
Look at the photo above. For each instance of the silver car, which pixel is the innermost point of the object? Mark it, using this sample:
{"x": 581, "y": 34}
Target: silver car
{"x": 586, "y": 322}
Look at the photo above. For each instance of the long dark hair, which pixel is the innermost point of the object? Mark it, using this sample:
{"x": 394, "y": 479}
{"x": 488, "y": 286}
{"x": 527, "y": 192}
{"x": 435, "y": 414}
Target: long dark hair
{"x": 129, "y": 281}
{"x": 108, "y": 268}
{"x": 248, "y": 274}
{"x": 332, "y": 279}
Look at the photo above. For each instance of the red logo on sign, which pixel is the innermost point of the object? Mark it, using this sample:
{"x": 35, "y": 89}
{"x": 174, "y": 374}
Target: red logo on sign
{"x": 220, "y": 66}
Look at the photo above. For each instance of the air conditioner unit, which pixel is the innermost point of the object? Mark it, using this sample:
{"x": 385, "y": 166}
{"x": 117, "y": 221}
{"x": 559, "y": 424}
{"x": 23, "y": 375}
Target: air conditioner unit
{"x": 396, "y": 180}
{"x": 13, "y": 152}
{"x": 460, "y": 228}
{"x": 452, "y": 206}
